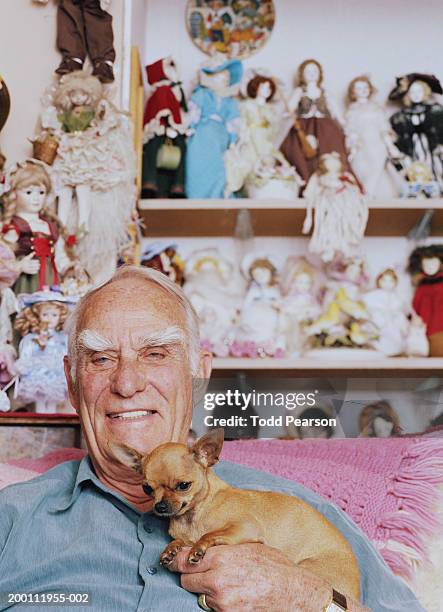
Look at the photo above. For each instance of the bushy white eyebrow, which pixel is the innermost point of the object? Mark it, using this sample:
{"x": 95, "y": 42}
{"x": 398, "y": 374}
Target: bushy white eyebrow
{"x": 91, "y": 340}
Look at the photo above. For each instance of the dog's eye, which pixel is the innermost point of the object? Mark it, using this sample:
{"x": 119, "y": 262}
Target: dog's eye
{"x": 183, "y": 486}
{"x": 148, "y": 490}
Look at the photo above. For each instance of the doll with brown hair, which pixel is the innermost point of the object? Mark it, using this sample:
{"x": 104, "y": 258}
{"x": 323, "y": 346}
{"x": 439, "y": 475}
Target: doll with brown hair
{"x": 341, "y": 210}
{"x": 370, "y": 139}
{"x": 41, "y": 351}
{"x": 255, "y": 156}
{"x": 31, "y": 230}
{"x": 379, "y": 420}
{"x": 425, "y": 267}
{"x": 318, "y": 126}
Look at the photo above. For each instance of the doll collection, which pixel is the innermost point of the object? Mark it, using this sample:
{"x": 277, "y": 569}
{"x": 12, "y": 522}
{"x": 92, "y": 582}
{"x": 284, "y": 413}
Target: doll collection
{"x": 68, "y": 211}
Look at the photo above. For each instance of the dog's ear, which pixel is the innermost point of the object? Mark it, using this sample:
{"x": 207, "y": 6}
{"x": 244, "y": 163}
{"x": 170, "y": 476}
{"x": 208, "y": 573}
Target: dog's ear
{"x": 207, "y": 449}
{"x": 127, "y": 455}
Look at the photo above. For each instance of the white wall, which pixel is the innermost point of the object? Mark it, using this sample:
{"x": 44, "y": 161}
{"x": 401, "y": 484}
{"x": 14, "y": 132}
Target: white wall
{"x": 380, "y": 37}
{"x": 28, "y": 60}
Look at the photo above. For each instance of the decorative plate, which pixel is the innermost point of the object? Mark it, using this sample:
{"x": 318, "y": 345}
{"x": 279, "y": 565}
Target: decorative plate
{"x": 237, "y": 28}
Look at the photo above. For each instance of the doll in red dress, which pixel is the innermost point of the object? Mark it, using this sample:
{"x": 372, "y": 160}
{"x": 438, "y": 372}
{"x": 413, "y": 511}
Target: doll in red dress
{"x": 425, "y": 266}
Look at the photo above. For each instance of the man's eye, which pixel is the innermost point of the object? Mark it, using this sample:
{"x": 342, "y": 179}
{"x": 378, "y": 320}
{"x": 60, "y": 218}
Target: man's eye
{"x": 155, "y": 354}
{"x": 183, "y": 486}
{"x": 101, "y": 361}
{"x": 148, "y": 490}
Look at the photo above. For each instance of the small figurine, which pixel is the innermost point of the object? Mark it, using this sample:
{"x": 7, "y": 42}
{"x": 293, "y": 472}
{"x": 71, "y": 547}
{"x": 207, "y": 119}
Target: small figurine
{"x": 379, "y": 421}
{"x": 341, "y": 210}
{"x": 84, "y": 27}
{"x": 31, "y": 230}
{"x": 301, "y": 300}
{"x": 317, "y": 128}
{"x": 425, "y": 267}
{"x": 370, "y": 139}
{"x": 259, "y": 328}
{"x": 254, "y": 161}
{"x": 215, "y": 119}
{"x": 41, "y": 351}
{"x": 419, "y": 126}
{"x": 165, "y": 130}
{"x": 389, "y": 313}
{"x": 216, "y": 293}
{"x": 417, "y": 343}
{"x": 163, "y": 256}
{"x": 419, "y": 182}
{"x": 95, "y": 162}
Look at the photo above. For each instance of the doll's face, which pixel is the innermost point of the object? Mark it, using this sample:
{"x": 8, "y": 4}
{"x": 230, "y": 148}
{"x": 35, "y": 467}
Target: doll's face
{"x": 170, "y": 71}
{"x": 79, "y": 97}
{"x": 332, "y": 163}
{"x": 303, "y": 282}
{"x": 382, "y": 428}
{"x": 264, "y": 90}
{"x": 50, "y": 315}
{"x": 361, "y": 90}
{"x": 30, "y": 199}
{"x": 387, "y": 282}
{"x": 416, "y": 92}
{"x": 219, "y": 80}
{"x": 431, "y": 265}
{"x": 261, "y": 275}
{"x": 311, "y": 73}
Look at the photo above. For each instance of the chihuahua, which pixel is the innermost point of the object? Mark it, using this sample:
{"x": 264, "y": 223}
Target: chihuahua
{"x": 204, "y": 511}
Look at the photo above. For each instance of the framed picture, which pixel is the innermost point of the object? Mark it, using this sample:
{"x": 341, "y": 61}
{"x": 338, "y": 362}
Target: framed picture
{"x": 237, "y": 28}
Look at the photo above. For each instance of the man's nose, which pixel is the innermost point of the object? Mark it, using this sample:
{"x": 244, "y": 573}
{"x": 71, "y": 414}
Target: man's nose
{"x": 128, "y": 378}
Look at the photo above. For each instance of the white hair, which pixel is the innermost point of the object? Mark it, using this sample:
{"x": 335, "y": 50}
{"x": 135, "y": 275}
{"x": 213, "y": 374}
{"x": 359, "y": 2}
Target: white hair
{"x": 192, "y": 336}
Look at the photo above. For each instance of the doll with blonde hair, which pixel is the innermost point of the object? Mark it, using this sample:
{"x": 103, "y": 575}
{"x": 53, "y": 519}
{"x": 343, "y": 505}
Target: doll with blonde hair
{"x": 41, "y": 352}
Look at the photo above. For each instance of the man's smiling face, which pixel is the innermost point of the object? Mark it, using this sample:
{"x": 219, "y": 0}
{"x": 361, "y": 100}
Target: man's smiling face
{"x": 133, "y": 378}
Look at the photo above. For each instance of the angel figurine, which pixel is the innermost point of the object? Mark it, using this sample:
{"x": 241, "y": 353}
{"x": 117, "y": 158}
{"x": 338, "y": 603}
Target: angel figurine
{"x": 370, "y": 139}
{"x": 94, "y": 167}
{"x": 215, "y": 118}
{"x": 254, "y": 161}
{"x": 41, "y": 351}
{"x": 341, "y": 210}
{"x": 318, "y": 125}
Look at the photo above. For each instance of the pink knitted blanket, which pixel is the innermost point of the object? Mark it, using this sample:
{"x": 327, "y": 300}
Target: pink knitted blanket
{"x": 388, "y": 487}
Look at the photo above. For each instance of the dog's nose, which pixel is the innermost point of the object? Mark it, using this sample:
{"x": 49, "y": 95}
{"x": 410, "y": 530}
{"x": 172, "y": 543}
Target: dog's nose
{"x": 161, "y": 507}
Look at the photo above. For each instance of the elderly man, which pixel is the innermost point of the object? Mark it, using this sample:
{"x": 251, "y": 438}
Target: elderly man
{"x": 85, "y": 527}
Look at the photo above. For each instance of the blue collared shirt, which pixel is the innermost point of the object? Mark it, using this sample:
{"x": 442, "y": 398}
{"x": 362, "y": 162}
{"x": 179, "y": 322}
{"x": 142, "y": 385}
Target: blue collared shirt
{"x": 65, "y": 532}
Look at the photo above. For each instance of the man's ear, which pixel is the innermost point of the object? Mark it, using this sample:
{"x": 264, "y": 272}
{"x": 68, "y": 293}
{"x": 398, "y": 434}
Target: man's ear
{"x": 207, "y": 449}
{"x": 70, "y": 383}
{"x": 126, "y": 455}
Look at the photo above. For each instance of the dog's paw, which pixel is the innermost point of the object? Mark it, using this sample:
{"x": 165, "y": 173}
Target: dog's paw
{"x": 196, "y": 555}
{"x": 169, "y": 553}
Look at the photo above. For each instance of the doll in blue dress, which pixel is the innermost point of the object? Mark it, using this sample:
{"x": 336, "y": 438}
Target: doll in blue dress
{"x": 215, "y": 119}
{"x": 41, "y": 352}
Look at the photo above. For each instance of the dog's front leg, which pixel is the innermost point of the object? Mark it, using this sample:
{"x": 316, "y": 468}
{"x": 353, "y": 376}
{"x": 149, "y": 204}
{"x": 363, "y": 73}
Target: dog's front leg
{"x": 234, "y": 533}
{"x": 170, "y": 552}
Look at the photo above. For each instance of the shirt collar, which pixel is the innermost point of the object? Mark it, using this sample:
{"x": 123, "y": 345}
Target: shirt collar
{"x": 86, "y": 474}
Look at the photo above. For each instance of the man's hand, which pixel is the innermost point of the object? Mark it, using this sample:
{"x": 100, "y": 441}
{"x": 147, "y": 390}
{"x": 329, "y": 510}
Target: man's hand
{"x": 253, "y": 577}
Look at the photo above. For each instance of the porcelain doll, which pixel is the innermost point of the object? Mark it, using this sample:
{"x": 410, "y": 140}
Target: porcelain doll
{"x": 389, "y": 313}
{"x": 96, "y": 164}
{"x": 31, "y": 230}
{"x": 379, "y": 421}
{"x": 425, "y": 266}
{"x": 419, "y": 124}
{"x": 164, "y": 133}
{"x": 163, "y": 256}
{"x": 254, "y": 160}
{"x": 84, "y": 27}
{"x": 41, "y": 352}
{"x": 370, "y": 139}
{"x": 317, "y": 129}
{"x": 417, "y": 343}
{"x": 301, "y": 300}
{"x": 341, "y": 210}
{"x": 216, "y": 293}
{"x": 215, "y": 119}
{"x": 259, "y": 328}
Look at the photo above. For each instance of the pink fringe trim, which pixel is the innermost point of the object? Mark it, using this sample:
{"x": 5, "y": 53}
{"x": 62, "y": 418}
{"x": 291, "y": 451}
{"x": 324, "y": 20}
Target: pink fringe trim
{"x": 416, "y": 489}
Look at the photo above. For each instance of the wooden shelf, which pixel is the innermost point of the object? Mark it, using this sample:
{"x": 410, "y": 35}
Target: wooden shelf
{"x": 164, "y": 217}
{"x": 387, "y": 366}
{"x": 32, "y": 419}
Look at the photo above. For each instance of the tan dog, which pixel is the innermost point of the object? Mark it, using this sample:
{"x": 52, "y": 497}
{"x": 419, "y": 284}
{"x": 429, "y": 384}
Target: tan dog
{"x": 205, "y": 511}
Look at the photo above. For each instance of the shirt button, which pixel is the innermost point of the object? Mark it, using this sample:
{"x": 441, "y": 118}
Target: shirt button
{"x": 148, "y": 529}
{"x": 151, "y": 570}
